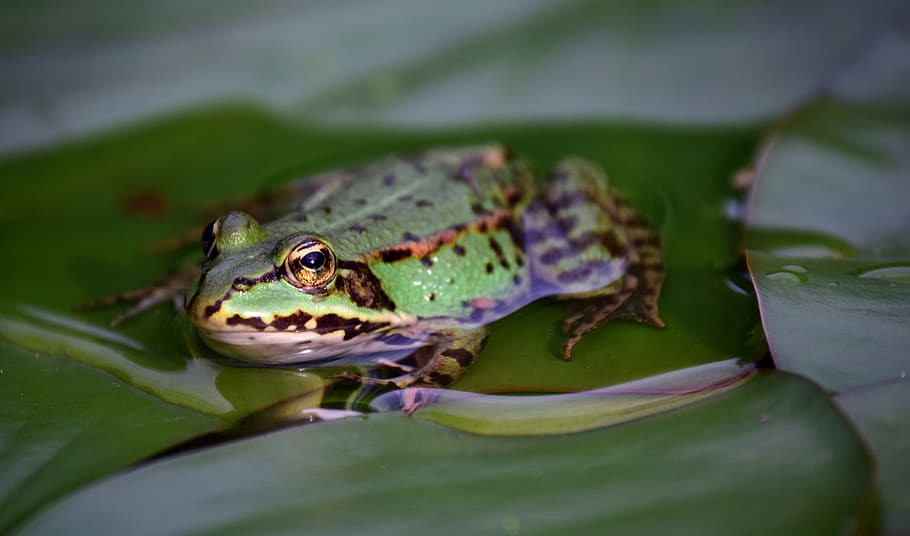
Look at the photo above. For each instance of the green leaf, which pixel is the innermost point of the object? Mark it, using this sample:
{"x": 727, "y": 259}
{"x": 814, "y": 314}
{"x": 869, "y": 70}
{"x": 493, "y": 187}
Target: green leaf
{"x": 881, "y": 415}
{"x": 834, "y": 184}
{"x": 63, "y": 424}
{"x": 440, "y": 63}
{"x": 841, "y": 323}
{"x": 574, "y": 412}
{"x": 839, "y": 168}
{"x": 726, "y": 465}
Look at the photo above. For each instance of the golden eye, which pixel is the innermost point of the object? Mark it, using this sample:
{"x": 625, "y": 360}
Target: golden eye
{"x": 310, "y": 266}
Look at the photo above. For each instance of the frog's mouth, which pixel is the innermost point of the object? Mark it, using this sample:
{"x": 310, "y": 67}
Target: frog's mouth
{"x": 276, "y": 347}
{"x": 298, "y": 337}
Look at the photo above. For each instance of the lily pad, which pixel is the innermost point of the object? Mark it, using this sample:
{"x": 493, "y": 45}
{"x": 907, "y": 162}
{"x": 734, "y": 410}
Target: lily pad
{"x": 881, "y": 414}
{"x": 834, "y": 322}
{"x": 63, "y": 425}
{"x": 725, "y": 465}
{"x": 833, "y": 184}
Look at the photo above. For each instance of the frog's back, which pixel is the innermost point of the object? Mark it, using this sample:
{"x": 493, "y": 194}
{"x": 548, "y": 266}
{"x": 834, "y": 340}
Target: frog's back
{"x": 400, "y": 199}
{"x": 439, "y": 229}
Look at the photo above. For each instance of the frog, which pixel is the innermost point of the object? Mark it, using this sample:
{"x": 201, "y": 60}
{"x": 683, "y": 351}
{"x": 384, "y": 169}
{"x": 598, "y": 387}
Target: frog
{"x": 415, "y": 255}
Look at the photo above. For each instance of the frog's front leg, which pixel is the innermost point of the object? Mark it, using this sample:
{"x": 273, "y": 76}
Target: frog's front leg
{"x": 142, "y": 299}
{"x": 438, "y": 364}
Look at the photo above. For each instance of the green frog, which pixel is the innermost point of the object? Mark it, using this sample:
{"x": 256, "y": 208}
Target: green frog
{"x": 416, "y": 254}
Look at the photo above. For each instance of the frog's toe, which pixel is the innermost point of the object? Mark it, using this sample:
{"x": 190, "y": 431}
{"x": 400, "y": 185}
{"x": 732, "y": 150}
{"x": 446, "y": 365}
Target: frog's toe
{"x": 143, "y": 299}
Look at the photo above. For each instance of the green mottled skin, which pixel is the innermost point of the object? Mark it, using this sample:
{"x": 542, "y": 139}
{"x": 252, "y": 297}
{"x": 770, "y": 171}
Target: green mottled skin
{"x": 428, "y": 249}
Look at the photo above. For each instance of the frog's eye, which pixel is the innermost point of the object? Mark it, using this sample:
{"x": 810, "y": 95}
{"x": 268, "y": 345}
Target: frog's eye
{"x": 310, "y": 266}
{"x": 209, "y": 236}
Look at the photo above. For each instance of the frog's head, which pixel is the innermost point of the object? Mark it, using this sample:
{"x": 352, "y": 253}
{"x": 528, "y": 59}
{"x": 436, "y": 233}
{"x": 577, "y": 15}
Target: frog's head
{"x": 272, "y": 296}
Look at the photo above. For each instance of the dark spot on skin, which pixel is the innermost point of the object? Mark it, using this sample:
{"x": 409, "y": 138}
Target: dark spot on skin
{"x": 426, "y": 261}
{"x": 516, "y": 234}
{"x": 540, "y": 235}
{"x": 465, "y": 304}
{"x": 551, "y": 256}
{"x": 476, "y": 208}
{"x": 517, "y": 280}
{"x": 462, "y": 356}
{"x": 252, "y": 338}
{"x": 303, "y": 343}
{"x": 405, "y": 198}
{"x": 439, "y": 379}
{"x": 360, "y": 202}
{"x": 409, "y": 237}
{"x": 378, "y": 217}
{"x": 431, "y": 297}
{"x": 254, "y": 322}
{"x": 483, "y": 226}
{"x": 301, "y": 217}
{"x": 364, "y": 287}
{"x": 613, "y": 245}
{"x": 489, "y": 267}
{"x": 459, "y": 250}
{"x": 351, "y": 326}
{"x": 513, "y": 196}
{"x": 477, "y": 316}
{"x": 298, "y": 319}
{"x": 584, "y": 241}
{"x": 519, "y": 261}
{"x": 357, "y": 228}
{"x": 576, "y": 274}
{"x": 423, "y": 203}
{"x": 268, "y": 277}
{"x": 497, "y": 249}
{"x": 567, "y": 222}
{"x": 327, "y": 210}
{"x": 388, "y": 180}
{"x": 213, "y": 308}
{"x": 392, "y": 255}
{"x": 494, "y": 245}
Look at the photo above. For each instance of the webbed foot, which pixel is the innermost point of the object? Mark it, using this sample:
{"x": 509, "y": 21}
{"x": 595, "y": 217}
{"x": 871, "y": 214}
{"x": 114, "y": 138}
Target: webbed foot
{"x": 439, "y": 364}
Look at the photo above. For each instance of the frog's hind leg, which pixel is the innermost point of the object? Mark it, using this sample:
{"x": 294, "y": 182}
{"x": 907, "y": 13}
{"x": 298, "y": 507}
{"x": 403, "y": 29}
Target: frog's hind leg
{"x": 594, "y": 249}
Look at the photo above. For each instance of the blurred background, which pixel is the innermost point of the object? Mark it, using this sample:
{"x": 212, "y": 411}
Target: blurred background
{"x": 69, "y": 69}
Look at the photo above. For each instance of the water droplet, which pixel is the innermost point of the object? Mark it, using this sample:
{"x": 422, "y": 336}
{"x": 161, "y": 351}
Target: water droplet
{"x": 794, "y": 268}
{"x": 786, "y": 277}
{"x": 893, "y": 271}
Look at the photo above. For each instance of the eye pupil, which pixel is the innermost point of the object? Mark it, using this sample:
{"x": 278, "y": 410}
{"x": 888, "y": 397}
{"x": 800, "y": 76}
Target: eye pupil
{"x": 313, "y": 260}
